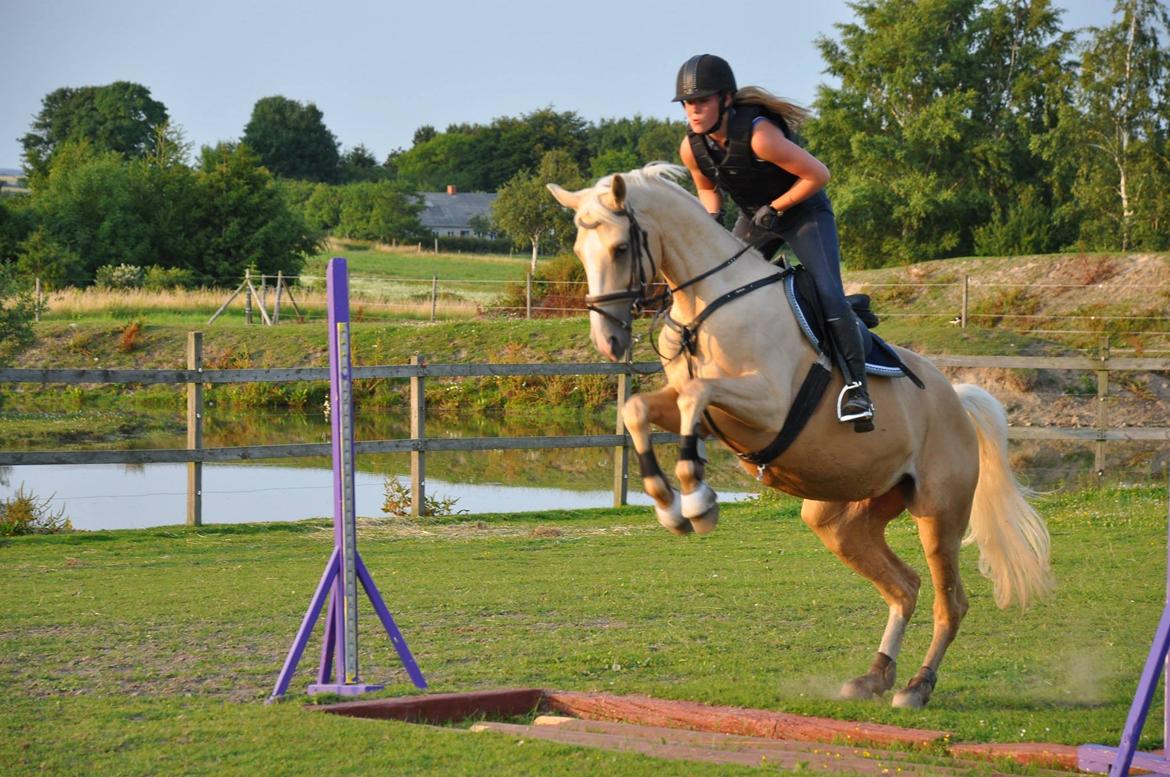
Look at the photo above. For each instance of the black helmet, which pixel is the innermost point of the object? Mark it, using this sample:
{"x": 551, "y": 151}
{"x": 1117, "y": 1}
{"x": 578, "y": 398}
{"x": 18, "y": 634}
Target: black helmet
{"x": 703, "y": 75}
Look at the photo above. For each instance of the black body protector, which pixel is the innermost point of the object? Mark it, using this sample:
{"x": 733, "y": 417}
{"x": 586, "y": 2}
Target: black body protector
{"x": 750, "y": 182}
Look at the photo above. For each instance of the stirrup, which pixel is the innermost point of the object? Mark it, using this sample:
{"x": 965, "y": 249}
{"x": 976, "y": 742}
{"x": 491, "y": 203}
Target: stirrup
{"x": 865, "y": 415}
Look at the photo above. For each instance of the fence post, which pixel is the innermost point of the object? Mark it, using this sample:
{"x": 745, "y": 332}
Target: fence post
{"x": 621, "y": 453}
{"x": 436, "y": 245}
{"x": 248, "y": 297}
{"x": 1102, "y": 393}
{"x": 434, "y": 294}
{"x": 195, "y": 430}
{"x": 418, "y": 424}
{"x": 528, "y": 295}
{"x": 264, "y": 291}
{"x": 276, "y": 304}
{"x": 966, "y": 291}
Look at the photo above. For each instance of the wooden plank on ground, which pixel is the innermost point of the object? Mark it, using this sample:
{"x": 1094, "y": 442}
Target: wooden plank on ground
{"x": 733, "y": 720}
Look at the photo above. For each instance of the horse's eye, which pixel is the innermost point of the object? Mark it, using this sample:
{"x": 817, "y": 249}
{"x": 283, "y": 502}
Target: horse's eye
{"x": 621, "y": 250}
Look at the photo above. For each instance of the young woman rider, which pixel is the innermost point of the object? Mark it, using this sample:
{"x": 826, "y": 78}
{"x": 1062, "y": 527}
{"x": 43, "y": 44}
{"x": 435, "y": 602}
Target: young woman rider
{"x": 739, "y": 142}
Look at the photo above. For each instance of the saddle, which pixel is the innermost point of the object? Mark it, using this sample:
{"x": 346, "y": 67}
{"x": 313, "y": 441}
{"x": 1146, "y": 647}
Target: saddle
{"x": 880, "y": 358}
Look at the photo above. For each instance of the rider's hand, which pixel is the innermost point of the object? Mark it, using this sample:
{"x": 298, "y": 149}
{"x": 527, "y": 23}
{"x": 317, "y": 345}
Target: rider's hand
{"x": 765, "y": 218}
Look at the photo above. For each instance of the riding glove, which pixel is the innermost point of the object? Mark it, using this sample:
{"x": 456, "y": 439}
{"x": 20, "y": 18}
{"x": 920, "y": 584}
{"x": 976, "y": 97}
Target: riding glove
{"x": 766, "y": 217}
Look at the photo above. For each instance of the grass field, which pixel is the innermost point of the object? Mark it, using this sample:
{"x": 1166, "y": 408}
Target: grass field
{"x": 151, "y": 652}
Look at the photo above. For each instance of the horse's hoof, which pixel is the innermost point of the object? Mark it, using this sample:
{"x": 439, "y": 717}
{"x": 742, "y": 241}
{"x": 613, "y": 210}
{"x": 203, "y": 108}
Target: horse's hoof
{"x": 871, "y": 685}
{"x": 705, "y": 523}
{"x": 699, "y": 502}
{"x": 672, "y": 517}
{"x": 917, "y": 692}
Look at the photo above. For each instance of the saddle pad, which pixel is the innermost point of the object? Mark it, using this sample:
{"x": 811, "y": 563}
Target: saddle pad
{"x": 880, "y": 358}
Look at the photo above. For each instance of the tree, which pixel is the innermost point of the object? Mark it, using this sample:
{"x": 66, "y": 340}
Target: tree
{"x": 120, "y": 117}
{"x": 359, "y": 164}
{"x": 292, "y": 140}
{"x": 1120, "y": 122}
{"x": 928, "y": 135}
{"x": 244, "y": 221}
{"x": 379, "y": 211}
{"x": 526, "y": 212}
{"x": 17, "y": 312}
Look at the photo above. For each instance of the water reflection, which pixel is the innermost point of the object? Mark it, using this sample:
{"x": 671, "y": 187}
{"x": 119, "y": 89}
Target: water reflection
{"x": 135, "y": 495}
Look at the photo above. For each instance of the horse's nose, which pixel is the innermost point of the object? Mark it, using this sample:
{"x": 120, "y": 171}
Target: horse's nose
{"x": 616, "y": 349}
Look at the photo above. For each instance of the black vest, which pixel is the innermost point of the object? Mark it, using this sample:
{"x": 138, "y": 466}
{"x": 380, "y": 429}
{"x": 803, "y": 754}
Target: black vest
{"x": 751, "y": 182}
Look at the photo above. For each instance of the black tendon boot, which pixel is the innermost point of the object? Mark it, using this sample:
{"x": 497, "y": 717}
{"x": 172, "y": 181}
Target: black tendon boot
{"x": 854, "y": 404}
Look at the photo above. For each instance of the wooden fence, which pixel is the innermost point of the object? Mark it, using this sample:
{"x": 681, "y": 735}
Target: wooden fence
{"x": 418, "y": 444}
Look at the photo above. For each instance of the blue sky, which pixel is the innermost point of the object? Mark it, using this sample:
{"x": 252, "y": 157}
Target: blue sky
{"x": 379, "y": 70}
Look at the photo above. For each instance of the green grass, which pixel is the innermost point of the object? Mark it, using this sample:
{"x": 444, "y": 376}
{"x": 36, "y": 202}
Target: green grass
{"x": 363, "y": 261}
{"x": 147, "y": 652}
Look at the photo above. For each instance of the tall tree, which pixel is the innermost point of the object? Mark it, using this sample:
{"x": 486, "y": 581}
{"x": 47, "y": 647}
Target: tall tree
{"x": 1121, "y": 122}
{"x": 927, "y": 134}
{"x": 121, "y": 117}
{"x": 528, "y": 214}
{"x": 292, "y": 140}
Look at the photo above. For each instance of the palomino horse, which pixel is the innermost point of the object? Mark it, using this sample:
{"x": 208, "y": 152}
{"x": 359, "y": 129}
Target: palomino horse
{"x": 939, "y": 453}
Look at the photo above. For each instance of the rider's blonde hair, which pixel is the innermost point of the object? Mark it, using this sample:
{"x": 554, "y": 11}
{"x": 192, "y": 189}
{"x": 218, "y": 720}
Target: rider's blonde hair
{"x": 757, "y": 95}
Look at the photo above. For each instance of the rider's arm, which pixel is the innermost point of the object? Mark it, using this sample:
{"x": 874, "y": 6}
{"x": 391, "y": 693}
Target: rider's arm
{"x": 770, "y": 145}
{"x": 708, "y": 195}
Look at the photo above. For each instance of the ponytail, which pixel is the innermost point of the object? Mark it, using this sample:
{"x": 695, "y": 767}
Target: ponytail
{"x": 792, "y": 113}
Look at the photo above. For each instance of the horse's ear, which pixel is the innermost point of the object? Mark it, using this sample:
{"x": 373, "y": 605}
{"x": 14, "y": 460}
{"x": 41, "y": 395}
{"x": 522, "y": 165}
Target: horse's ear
{"x": 618, "y": 189}
{"x": 565, "y": 197}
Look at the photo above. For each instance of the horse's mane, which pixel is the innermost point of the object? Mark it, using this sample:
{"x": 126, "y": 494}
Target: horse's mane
{"x": 654, "y": 177}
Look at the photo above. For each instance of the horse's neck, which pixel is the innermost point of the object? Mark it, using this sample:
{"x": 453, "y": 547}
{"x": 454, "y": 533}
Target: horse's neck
{"x": 689, "y": 250}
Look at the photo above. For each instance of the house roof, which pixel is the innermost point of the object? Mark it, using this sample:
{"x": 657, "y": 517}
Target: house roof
{"x": 454, "y": 210}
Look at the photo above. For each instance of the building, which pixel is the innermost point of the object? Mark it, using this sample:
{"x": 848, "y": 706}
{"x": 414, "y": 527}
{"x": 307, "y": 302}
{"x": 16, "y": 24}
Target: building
{"x": 449, "y": 213}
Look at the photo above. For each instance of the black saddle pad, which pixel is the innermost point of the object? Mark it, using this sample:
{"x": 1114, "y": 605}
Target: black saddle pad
{"x": 880, "y": 358}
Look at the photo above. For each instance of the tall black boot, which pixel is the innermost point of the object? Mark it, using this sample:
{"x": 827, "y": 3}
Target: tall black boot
{"x": 854, "y": 404}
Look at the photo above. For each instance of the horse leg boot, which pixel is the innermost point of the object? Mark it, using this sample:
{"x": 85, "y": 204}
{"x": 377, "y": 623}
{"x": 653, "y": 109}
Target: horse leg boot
{"x": 854, "y": 403}
{"x": 700, "y": 504}
{"x": 640, "y": 410}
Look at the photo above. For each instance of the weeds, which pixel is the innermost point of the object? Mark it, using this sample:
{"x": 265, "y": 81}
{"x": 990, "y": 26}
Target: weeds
{"x": 398, "y": 501}
{"x": 26, "y": 513}
{"x": 129, "y": 339}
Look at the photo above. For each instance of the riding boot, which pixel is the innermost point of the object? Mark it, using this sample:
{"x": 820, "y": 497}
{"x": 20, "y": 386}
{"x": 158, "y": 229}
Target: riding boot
{"x": 854, "y": 403}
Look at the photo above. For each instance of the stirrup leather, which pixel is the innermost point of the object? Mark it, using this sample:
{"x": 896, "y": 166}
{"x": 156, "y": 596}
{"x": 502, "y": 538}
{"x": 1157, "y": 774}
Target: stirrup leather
{"x": 865, "y": 415}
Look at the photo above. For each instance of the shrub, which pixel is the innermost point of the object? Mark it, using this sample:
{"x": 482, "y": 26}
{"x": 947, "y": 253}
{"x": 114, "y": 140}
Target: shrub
{"x": 17, "y": 312}
{"x": 120, "y": 276}
{"x": 163, "y": 278}
{"x": 129, "y": 339}
{"x": 25, "y": 513}
{"x": 398, "y": 498}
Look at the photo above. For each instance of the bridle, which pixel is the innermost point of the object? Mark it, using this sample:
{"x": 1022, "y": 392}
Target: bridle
{"x": 637, "y": 291}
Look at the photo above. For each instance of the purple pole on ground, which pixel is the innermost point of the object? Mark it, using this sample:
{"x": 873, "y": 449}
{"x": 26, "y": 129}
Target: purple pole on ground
{"x": 345, "y": 568}
{"x": 1118, "y": 760}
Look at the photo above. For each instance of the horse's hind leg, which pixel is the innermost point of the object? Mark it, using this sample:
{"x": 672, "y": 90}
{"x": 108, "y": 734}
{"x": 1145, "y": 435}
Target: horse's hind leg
{"x": 658, "y": 407}
{"x": 941, "y": 540}
{"x": 855, "y": 531}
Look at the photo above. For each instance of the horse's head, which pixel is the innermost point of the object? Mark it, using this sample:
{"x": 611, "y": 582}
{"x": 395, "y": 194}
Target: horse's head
{"x": 618, "y": 264}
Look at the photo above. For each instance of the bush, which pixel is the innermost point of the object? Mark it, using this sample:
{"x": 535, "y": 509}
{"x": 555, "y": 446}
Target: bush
{"x": 398, "y": 501}
{"x": 120, "y": 276}
{"x": 25, "y": 513}
{"x": 17, "y": 312}
{"x": 163, "y": 278}
{"x": 471, "y": 245}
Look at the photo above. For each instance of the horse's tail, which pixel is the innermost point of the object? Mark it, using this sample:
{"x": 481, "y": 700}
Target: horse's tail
{"x": 1012, "y": 538}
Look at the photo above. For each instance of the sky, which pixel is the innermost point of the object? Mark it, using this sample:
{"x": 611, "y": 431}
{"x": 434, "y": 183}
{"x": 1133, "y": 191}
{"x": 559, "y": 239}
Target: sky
{"x": 379, "y": 70}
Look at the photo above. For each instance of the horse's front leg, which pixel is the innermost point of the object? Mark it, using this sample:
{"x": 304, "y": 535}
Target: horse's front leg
{"x": 740, "y": 395}
{"x": 661, "y": 408}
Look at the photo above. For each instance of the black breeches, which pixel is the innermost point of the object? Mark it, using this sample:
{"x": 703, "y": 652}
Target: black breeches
{"x": 810, "y": 230}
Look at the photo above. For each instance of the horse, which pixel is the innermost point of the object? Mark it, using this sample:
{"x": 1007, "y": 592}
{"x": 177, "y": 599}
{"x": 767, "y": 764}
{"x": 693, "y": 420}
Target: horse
{"x": 939, "y": 453}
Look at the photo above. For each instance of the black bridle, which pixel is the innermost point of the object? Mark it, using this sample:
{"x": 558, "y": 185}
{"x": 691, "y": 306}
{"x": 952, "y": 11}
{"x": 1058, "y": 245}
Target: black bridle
{"x": 637, "y": 291}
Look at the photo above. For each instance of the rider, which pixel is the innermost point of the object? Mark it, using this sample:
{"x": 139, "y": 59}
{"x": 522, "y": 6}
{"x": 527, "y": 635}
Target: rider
{"x": 739, "y": 142}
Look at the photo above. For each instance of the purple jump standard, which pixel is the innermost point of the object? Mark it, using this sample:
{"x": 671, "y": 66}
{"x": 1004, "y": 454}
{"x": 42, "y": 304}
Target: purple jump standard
{"x": 345, "y": 568}
{"x": 1118, "y": 760}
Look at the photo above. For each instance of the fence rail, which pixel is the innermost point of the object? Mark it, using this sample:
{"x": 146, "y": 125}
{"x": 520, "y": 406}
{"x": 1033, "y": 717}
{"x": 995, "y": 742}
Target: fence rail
{"x": 195, "y": 378}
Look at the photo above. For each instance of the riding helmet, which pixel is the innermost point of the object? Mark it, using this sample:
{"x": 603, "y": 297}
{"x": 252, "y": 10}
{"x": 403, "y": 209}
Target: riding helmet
{"x": 703, "y": 75}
